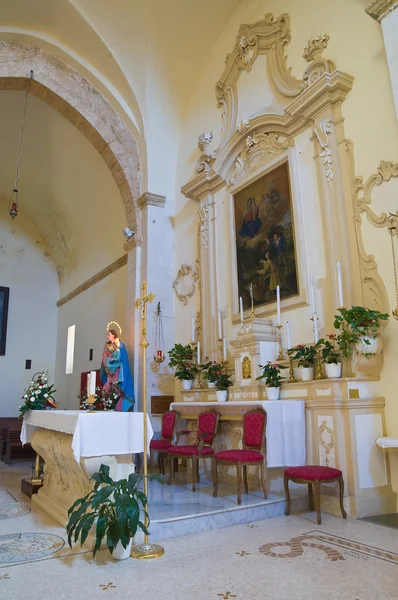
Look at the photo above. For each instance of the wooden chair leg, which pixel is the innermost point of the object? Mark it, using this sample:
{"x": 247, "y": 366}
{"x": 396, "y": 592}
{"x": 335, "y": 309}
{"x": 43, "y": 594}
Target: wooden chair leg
{"x": 341, "y": 486}
{"x": 246, "y": 487}
{"x": 310, "y": 496}
{"x": 194, "y": 472}
{"x": 287, "y": 493}
{"x": 197, "y": 471}
{"x": 162, "y": 463}
{"x": 171, "y": 468}
{"x": 318, "y": 501}
{"x": 159, "y": 463}
{"x": 175, "y": 466}
{"x": 239, "y": 472}
{"x": 215, "y": 478}
{"x": 263, "y": 482}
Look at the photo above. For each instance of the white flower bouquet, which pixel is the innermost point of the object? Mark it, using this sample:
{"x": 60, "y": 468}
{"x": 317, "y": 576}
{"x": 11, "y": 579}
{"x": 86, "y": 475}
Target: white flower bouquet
{"x": 39, "y": 395}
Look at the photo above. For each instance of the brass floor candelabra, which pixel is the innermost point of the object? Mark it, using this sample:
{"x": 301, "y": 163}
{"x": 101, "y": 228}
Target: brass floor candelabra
{"x": 145, "y": 550}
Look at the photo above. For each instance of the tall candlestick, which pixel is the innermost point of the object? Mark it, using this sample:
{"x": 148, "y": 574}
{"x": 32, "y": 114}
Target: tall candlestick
{"x": 193, "y": 334}
{"x": 316, "y": 337}
{"x": 198, "y": 353}
{"x": 312, "y": 295}
{"x": 219, "y": 324}
{"x": 241, "y": 309}
{"x": 278, "y": 303}
{"x": 224, "y": 349}
{"x": 288, "y": 340}
{"x": 340, "y": 285}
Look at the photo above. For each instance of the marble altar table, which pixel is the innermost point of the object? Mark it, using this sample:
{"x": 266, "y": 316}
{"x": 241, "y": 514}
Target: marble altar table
{"x": 285, "y": 433}
{"x": 73, "y": 444}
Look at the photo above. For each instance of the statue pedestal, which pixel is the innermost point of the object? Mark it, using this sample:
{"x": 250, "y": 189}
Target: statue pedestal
{"x": 255, "y": 345}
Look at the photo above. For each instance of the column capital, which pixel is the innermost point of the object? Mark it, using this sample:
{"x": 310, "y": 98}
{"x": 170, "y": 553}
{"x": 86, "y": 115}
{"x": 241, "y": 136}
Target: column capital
{"x": 148, "y": 199}
{"x": 378, "y": 9}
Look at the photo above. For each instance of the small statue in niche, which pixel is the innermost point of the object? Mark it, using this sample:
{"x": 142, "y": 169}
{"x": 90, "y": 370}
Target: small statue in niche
{"x": 246, "y": 368}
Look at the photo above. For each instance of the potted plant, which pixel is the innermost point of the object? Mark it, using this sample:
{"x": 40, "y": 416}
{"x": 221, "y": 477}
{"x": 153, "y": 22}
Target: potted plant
{"x": 211, "y": 371}
{"x": 222, "y": 384}
{"x": 271, "y": 373}
{"x": 331, "y": 356}
{"x": 39, "y": 395}
{"x": 305, "y": 355}
{"x": 114, "y": 508}
{"x": 364, "y": 324}
{"x": 182, "y": 360}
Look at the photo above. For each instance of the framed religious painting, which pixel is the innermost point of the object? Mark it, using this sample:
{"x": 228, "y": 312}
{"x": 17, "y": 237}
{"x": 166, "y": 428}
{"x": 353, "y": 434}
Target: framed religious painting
{"x": 266, "y": 253}
{"x": 4, "y": 297}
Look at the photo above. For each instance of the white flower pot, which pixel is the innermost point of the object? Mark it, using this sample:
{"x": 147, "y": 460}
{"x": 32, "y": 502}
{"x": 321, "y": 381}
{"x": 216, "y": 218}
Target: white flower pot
{"x": 222, "y": 395}
{"x": 120, "y": 553}
{"x": 273, "y": 393}
{"x": 333, "y": 370}
{"x": 211, "y": 385}
{"x": 186, "y": 384}
{"x": 307, "y": 373}
{"x": 297, "y": 373}
{"x": 367, "y": 345}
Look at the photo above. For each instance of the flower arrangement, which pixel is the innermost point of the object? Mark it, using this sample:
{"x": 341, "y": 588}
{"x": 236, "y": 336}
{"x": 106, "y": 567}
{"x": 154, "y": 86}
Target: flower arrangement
{"x": 39, "y": 395}
{"x": 212, "y": 370}
{"x": 271, "y": 372}
{"x": 181, "y": 358}
{"x": 305, "y": 355}
{"x": 103, "y": 399}
{"x": 331, "y": 352}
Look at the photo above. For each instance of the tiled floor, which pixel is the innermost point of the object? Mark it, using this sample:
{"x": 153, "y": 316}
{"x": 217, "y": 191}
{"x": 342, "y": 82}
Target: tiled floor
{"x": 279, "y": 558}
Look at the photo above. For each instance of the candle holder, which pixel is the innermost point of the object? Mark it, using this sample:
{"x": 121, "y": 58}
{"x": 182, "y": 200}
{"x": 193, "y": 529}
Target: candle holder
{"x": 252, "y": 313}
{"x": 318, "y": 373}
{"x": 279, "y": 328}
{"x": 292, "y": 378}
{"x": 224, "y": 365}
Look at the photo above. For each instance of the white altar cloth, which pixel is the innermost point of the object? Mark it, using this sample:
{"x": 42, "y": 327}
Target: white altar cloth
{"x": 285, "y": 431}
{"x": 94, "y": 434}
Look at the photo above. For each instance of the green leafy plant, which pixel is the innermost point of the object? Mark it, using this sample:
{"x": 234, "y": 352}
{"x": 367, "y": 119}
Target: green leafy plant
{"x": 223, "y": 382}
{"x": 39, "y": 395}
{"x": 212, "y": 371}
{"x": 331, "y": 352}
{"x": 114, "y": 508}
{"x": 362, "y": 321}
{"x": 181, "y": 358}
{"x": 305, "y": 355}
{"x": 271, "y": 373}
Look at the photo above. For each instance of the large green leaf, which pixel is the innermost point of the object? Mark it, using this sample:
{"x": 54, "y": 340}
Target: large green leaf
{"x": 102, "y": 495}
{"x": 87, "y": 526}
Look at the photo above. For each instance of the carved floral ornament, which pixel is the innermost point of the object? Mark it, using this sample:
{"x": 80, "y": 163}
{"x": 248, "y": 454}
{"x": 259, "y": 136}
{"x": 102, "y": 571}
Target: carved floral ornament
{"x": 322, "y": 131}
{"x": 326, "y": 439}
{"x": 186, "y": 271}
{"x": 203, "y": 213}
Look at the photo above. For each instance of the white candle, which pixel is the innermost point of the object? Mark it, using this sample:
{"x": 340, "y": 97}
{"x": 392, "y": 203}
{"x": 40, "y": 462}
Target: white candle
{"x": 219, "y": 325}
{"x": 193, "y": 333}
{"x": 288, "y": 340}
{"x": 198, "y": 353}
{"x": 88, "y": 384}
{"x": 93, "y": 377}
{"x": 224, "y": 349}
{"x": 312, "y": 296}
{"x": 316, "y": 337}
{"x": 241, "y": 309}
{"x": 278, "y": 303}
{"x": 340, "y": 285}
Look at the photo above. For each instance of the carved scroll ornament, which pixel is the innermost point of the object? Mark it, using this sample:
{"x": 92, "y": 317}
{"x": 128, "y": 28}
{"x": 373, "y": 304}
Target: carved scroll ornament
{"x": 183, "y": 272}
{"x": 322, "y": 131}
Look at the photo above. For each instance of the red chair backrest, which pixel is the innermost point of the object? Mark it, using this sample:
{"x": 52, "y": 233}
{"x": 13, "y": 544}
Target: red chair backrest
{"x": 254, "y": 423}
{"x": 168, "y": 424}
{"x": 207, "y": 425}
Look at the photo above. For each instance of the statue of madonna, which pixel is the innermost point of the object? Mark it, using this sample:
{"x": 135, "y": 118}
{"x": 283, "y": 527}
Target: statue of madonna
{"x": 115, "y": 369}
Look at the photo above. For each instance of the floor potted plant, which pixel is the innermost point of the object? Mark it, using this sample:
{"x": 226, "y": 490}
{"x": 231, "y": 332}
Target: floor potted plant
{"x": 331, "y": 356}
{"x": 271, "y": 374}
{"x": 363, "y": 324}
{"x": 223, "y": 382}
{"x": 305, "y": 355}
{"x": 114, "y": 509}
{"x": 181, "y": 359}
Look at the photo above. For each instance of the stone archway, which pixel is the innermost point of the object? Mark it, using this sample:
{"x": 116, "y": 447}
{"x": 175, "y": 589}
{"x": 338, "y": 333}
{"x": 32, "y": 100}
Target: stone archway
{"x": 73, "y": 96}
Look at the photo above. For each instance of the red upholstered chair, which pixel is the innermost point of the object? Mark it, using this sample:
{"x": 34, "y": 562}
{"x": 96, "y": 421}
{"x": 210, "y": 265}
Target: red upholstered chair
{"x": 207, "y": 430}
{"x": 169, "y": 419}
{"x": 314, "y": 475}
{"x": 253, "y": 452}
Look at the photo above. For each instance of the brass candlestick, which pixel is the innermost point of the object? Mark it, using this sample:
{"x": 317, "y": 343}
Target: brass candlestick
{"x": 252, "y": 313}
{"x": 318, "y": 374}
{"x": 292, "y": 378}
{"x": 279, "y": 328}
{"x": 145, "y": 550}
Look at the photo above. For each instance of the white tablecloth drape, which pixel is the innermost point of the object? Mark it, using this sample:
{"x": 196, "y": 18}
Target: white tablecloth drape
{"x": 93, "y": 434}
{"x": 285, "y": 433}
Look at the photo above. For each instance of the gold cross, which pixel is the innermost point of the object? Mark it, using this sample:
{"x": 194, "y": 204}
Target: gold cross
{"x": 141, "y": 304}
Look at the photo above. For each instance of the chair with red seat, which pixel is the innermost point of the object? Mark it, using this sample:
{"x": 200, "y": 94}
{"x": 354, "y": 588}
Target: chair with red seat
{"x": 162, "y": 446}
{"x": 313, "y": 475}
{"x": 252, "y": 454}
{"x": 203, "y": 448}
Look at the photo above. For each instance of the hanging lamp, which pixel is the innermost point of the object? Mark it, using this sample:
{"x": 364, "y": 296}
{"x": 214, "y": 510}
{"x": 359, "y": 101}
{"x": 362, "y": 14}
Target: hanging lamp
{"x": 159, "y": 340}
{"x": 13, "y": 207}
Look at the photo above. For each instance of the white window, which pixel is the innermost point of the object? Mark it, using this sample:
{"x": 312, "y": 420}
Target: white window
{"x": 70, "y": 349}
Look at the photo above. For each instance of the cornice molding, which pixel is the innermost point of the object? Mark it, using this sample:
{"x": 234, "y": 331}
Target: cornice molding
{"x": 378, "y": 9}
{"x": 149, "y": 199}
{"x": 200, "y": 186}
